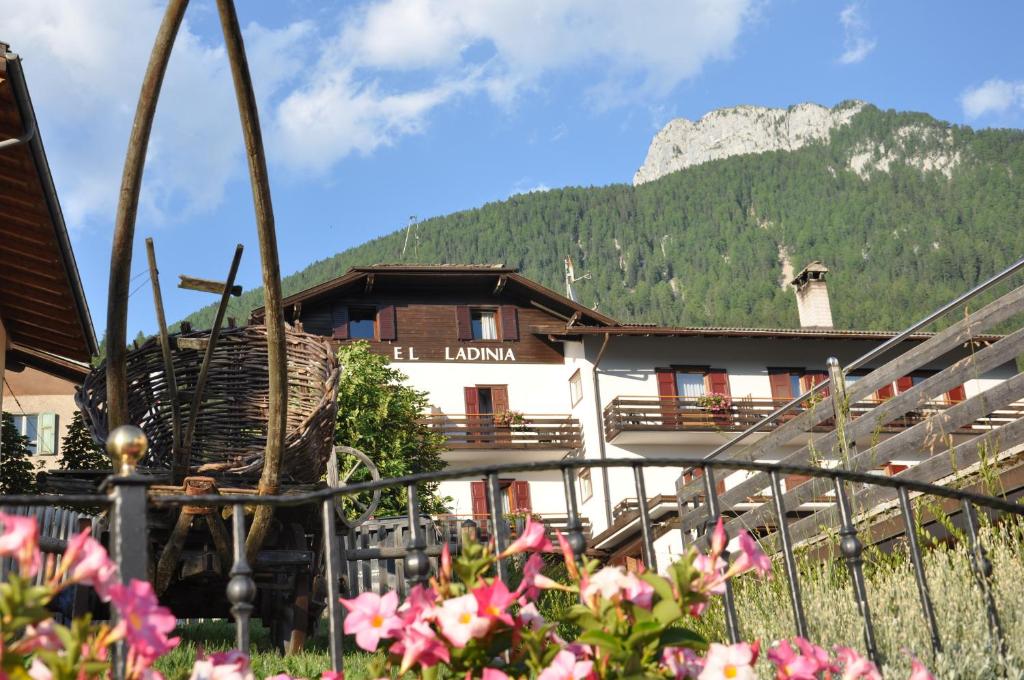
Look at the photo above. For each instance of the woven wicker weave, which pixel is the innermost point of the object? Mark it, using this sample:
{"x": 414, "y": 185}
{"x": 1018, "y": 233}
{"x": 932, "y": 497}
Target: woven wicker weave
{"x": 230, "y": 434}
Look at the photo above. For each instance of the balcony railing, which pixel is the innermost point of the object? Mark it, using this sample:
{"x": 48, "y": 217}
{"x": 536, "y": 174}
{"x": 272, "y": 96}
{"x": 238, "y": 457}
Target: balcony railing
{"x": 684, "y": 414}
{"x": 487, "y": 431}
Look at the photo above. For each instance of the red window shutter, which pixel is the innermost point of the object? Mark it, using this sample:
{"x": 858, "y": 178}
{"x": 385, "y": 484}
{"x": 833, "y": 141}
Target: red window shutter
{"x": 386, "y": 326}
{"x": 717, "y": 380}
{"x": 812, "y": 378}
{"x": 464, "y": 322}
{"x": 779, "y": 379}
{"x": 339, "y": 322}
{"x": 479, "y": 497}
{"x": 956, "y": 395}
{"x": 885, "y": 392}
{"x": 521, "y": 497}
{"x": 894, "y": 469}
{"x": 903, "y": 384}
{"x": 666, "y": 382}
{"x": 793, "y": 481}
{"x": 472, "y": 400}
{"x": 499, "y": 398}
{"x": 509, "y": 321}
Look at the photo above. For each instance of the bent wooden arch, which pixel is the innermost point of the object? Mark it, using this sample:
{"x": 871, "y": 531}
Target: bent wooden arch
{"x": 124, "y": 234}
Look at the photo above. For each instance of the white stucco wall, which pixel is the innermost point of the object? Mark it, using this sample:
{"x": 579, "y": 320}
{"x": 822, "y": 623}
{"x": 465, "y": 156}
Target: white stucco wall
{"x": 32, "y": 392}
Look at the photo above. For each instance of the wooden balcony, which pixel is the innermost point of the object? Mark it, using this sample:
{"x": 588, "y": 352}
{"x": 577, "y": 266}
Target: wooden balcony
{"x": 475, "y": 431}
{"x": 683, "y": 414}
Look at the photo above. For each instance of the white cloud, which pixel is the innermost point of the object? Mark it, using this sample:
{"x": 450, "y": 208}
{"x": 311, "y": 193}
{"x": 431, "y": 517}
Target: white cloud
{"x": 84, "y": 61}
{"x": 993, "y": 96}
{"x": 361, "y": 79}
{"x": 499, "y": 50}
{"x": 856, "y": 43}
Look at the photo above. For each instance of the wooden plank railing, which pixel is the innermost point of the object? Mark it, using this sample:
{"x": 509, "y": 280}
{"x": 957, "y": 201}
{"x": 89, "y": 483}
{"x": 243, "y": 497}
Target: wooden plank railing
{"x": 487, "y": 431}
{"x": 649, "y": 414}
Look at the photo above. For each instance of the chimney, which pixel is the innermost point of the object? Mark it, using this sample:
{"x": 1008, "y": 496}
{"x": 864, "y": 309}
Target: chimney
{"x": 812, "y": 296}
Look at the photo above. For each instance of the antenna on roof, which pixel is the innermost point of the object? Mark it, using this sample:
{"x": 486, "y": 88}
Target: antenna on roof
{"x": 571, "y": 278}
{"x": 412, "y": 224}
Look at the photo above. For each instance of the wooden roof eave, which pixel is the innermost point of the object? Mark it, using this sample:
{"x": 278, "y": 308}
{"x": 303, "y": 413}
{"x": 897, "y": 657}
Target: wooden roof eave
{"x": 85, "y": 346}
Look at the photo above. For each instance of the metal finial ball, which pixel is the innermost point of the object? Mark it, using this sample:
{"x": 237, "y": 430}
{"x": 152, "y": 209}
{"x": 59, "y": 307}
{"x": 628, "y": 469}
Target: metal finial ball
{"x": 126, "y": 446}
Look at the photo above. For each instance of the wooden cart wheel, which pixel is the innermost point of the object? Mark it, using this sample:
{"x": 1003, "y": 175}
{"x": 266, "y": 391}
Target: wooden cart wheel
{"x": 356, "y": 466}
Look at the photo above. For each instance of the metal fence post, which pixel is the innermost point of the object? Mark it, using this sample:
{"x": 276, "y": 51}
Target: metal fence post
{"x": 333, "y": 568}
{"x": 241, "y": 589}
{"x": 129, "y": 549}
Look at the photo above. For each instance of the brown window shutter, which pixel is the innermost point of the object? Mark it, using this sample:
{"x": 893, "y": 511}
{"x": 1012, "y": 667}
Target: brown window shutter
{"x": 509, "y": 316}
{"x": 386, "y": 327}
{"x": 499, "y": 398}
{"x": 812, "y": 378}
{"x": 464, "y": 323}
{"x": 779, "y": 379}
{"x": 476, "y": 491}
{"x": 956, "y": 395}
{"x": 472, "y": 400}
{"x": 885, "y": 392}
{"x": 339, "y": 321}
{"x": 894, "y": 469}
{"x": 793, "y": 481}
{"x": 717, "y": 380}
{"x": 903, "y": 384}
{"x": 521, "y": 497}
{"x": 666, "y": 382}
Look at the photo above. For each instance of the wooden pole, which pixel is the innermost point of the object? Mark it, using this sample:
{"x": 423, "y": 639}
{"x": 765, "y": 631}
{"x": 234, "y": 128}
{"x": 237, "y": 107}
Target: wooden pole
{"x": 165, "y": 350}
{"x": 276, "y": 357}
{"x": 127, "y": 208}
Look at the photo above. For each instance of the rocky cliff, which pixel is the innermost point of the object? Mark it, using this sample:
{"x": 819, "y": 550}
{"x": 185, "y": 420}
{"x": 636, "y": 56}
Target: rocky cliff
{"x": 740, "y": 130}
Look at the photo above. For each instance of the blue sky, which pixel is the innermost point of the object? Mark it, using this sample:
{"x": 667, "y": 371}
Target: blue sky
{"x": 376, "y": 111}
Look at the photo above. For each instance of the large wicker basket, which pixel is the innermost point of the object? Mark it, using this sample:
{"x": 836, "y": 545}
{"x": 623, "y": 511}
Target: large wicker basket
{"x": 230, "y": 433}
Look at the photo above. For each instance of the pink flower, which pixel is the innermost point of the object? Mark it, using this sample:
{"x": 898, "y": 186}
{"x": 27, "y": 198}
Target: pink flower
{"x": 20, "y": 539}
{"x": 419, "y": 644}
{"x": 718, "y": 538}
{"x": 493, "y": 601}
{"x": 855, "y": 666}
{"x": 604, "y": 584}
{"x": 39, "y": 670}
{"x": 568, "y": 555}
{"x": 43, "y": 635}
{"x": 735, "y": 662}
{"x": 712, "y": 571}
{"x": 332, "y": 675}
{"x": 460, "y": 620}
{"x": 493, "y": 674}
{"x": 446, "y": 561}
{"x": 683, "y": 663}
{"x": 565, "y": 666}
{"x": 233, "y": 665}
{"x": 918, "y": 670}
{"x": 533, "y": 539}
{"x": 419, "y": 605}
{"x": 86, "y": 561}
{"x": 793, "y": 666}
{"x": 530, "y": 617}
{"x": 372, "y": 617}
{"x": 528, "y": 588}
{"x": 751, "y": 557}
{"x": 279, "y": 676}
{"x": 146, "y": 622}
{"x": 637, "y": 591}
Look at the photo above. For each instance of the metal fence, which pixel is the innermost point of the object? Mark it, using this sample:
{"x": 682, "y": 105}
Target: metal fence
{"x": 404, "y": 554}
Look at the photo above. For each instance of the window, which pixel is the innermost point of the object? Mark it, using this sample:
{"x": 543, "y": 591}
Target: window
{"x": 41, "y": 430}
{"x": 484, "y": 324}
{"x": 362, "y": 322}
{"x": 575, "y": 388}
{"x": 689, "y": 384}
{"x": 586, "y": 485}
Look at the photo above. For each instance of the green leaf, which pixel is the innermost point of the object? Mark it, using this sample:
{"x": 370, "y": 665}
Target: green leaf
{"x": 602, "y": 639}
{"x": 682, "y": 637}
{"x": 667, "y": 612}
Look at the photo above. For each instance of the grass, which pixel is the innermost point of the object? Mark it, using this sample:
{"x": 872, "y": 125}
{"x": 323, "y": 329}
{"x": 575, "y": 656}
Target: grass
{"x": 220, "y": 636}
{"x": 969, "y": 649}
{"x": 765, "y": 614}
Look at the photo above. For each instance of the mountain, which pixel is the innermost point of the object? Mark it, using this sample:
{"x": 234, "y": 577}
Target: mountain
{"x": 906, "y": 210}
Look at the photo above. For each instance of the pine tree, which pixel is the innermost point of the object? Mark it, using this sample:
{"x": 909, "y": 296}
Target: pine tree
{"x": 17, "y": 473}
{"x": 78, "y": 450}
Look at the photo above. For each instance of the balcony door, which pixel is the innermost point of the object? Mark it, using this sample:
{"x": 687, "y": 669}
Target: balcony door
{"x": 482, "y": 403}
{"x": 680, "y": 390}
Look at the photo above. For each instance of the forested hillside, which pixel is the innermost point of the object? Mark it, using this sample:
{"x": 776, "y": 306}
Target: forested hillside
{"x": 702, "y": 246}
